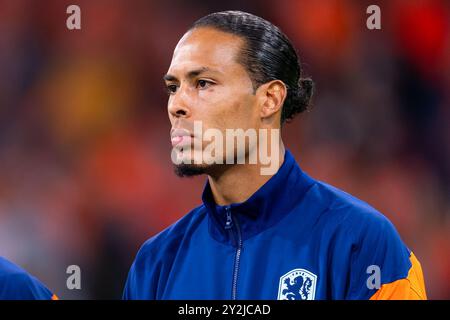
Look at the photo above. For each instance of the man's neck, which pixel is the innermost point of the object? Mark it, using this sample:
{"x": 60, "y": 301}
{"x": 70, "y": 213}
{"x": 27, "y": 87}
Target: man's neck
{"x": 240, "y": 181}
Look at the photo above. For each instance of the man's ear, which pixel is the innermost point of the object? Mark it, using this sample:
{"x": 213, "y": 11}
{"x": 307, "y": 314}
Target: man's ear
{"x": 271, "y": 96}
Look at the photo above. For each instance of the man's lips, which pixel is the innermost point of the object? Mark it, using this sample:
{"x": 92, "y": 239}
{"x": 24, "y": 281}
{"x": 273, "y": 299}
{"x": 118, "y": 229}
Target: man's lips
{"x": 180, "y": 137}
{"x": 180, "y": 141}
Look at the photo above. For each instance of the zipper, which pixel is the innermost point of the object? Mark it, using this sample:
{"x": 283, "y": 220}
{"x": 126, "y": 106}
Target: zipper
{"x": 238, "y": 244}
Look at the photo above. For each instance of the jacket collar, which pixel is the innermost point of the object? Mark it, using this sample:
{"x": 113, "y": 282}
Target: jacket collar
{"x": 268, "y": 205}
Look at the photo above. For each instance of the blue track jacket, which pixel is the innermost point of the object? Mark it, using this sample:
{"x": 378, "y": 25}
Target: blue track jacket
{"x": 294, "y": 239}
{"x": 17, "y": 284}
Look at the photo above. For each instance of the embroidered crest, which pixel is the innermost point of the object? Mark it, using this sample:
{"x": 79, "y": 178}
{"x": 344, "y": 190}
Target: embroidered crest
{"x": 297, "y": 284}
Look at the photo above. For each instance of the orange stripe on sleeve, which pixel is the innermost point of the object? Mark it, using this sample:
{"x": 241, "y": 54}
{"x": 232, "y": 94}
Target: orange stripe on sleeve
{"x": 411, "y": 288}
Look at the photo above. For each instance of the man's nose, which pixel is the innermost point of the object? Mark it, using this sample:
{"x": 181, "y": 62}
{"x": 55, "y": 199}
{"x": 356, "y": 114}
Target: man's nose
{"x": 179, "y": 105}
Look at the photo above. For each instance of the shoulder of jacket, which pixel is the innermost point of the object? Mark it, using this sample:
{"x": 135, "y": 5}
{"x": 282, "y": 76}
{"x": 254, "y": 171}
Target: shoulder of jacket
{"x": 355, "y": 215}
{"x": 157, "y": 244}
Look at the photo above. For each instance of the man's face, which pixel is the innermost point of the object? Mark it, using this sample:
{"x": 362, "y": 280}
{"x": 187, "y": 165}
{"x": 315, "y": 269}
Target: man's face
{"x": 206, "y": 83}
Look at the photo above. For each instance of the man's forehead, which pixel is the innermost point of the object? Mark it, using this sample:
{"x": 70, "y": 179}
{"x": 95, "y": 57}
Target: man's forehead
{"x": 206, "y": 47}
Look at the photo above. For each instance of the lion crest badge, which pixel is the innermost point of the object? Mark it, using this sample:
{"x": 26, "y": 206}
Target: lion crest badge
{"x": 297, "y": 284}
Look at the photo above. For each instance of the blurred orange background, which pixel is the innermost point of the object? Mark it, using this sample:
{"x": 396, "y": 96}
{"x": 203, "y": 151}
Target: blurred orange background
{"x": 85, "y": 169}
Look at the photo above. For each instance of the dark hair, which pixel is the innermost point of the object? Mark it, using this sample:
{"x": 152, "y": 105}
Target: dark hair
{"x": 268, "y": 55}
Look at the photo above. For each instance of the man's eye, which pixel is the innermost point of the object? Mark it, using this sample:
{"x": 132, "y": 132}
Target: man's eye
{"x": 203, "y": 84}
{"x": 171, "y": 88}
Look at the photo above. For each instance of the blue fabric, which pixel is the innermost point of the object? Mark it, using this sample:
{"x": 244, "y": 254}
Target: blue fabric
{"x": 300, "y": 239}
{"x": 17, "y": 284}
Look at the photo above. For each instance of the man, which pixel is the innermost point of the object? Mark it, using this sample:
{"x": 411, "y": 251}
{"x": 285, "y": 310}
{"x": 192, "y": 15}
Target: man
{"x": 17, "y": 284}
{"x": 281, "y": 235}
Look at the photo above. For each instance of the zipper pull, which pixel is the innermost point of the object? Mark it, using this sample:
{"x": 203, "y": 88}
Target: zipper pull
{"x": 229, "y": 223}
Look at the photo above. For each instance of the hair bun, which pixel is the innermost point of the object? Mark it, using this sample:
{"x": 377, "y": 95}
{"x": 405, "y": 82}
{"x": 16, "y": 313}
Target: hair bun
{"x": 306, "y": 88}
{"x": 298, "y": 99}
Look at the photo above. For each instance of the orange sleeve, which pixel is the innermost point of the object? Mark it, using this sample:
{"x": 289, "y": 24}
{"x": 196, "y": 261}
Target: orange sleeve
{"x": 55, "y": 297}
{"x": 411, "y": 288}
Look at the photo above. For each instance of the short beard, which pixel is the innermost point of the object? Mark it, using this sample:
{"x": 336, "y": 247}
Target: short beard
{"x": 189, "y": 170}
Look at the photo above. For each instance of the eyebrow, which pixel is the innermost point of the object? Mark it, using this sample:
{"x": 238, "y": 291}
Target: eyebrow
{"x": 191, "y": 74}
